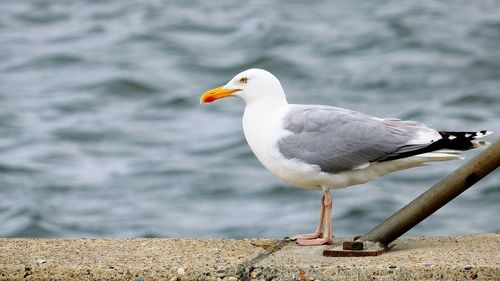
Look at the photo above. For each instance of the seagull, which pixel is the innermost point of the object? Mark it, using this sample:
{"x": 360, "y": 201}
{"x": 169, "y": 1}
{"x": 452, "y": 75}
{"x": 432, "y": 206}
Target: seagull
{"x": 323, "y": 147}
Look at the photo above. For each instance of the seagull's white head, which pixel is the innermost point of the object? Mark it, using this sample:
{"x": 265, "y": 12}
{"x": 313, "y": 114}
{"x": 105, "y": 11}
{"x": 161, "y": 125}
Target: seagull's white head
{"x": 251, "y": 85}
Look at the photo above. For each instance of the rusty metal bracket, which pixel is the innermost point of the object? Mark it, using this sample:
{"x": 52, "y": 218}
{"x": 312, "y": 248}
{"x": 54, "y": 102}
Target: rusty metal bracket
{"x": 357, "y": 249}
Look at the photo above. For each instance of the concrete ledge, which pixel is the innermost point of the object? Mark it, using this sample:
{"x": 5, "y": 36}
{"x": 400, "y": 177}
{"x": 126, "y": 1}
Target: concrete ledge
{"x": 425, "y": 258}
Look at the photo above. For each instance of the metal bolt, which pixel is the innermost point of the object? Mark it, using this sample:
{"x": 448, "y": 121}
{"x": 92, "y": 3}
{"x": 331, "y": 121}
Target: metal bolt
{"x": 352, "y": 245}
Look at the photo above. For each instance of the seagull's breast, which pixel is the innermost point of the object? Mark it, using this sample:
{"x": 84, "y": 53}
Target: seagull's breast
{"x": 263, "y": 130}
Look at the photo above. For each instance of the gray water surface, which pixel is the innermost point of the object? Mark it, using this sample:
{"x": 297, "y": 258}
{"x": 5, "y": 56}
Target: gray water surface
{"x": 102, "y": 134}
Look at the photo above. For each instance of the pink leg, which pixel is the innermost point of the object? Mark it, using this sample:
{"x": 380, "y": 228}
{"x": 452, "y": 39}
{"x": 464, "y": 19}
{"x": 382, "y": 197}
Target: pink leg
{"x": 319, "y": 229}
{"x": 326, "y": 237}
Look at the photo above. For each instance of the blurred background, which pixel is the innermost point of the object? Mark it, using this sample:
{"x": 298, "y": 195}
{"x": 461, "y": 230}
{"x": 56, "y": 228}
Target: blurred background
{"x": 102, "y": 133}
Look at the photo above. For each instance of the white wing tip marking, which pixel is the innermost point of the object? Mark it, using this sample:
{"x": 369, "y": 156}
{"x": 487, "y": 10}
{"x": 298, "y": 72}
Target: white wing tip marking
{"x": 486, "y": 133}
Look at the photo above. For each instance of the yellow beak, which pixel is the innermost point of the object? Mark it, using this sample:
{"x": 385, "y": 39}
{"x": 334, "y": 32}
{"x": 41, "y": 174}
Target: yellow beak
{"x": 217, "y": 93}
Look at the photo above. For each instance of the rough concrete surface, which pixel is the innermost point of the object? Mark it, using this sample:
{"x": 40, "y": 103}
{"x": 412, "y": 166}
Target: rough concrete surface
{"x": 472, "y": 257}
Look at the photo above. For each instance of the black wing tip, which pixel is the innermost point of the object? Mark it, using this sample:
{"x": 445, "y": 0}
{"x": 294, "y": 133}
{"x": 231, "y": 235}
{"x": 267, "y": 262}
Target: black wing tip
{"x": 449, "y": 140}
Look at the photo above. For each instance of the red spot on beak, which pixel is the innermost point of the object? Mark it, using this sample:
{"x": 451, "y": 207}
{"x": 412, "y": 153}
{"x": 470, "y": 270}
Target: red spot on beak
{"x": 209, "y": 99}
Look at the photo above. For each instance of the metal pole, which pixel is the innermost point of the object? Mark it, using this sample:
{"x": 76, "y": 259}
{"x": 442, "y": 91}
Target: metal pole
{"x": 436, "y": 197}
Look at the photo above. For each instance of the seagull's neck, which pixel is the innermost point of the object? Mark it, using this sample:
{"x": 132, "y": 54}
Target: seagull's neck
{"x": 260, "y": 113}
{"x": 266, "y": 102}
{"x": 263, "y": 109}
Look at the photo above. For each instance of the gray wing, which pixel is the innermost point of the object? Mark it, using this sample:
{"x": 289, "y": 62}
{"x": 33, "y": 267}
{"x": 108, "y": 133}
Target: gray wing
{"x": 338, "y": 139}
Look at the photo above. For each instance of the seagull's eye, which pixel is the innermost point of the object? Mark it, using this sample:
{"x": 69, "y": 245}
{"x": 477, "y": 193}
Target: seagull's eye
{"x": 243, "y": 80}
